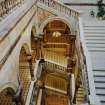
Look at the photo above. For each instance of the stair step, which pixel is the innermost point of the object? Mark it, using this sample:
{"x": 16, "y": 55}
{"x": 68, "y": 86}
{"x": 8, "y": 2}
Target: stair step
{"x": 92, "y": 49}
{"x": 100, "y": 91}
{"x": 80, "y": 95}
{"x": 100, "y": 85}
{"x": 92, "y": 43}
{"x": 99, "y": 79}
{"x": 102, "y": 102}
{"x": 97, "y": 26}
{"x": 94, "y": 31}
{"x": 94, "y": 38}
{"x": 95, "y": 34}
{"x": 95, "y": 43}
{"x": 102, "y": 97}
{"x": 99, "y": 72}
{"x": 80, "y": 99}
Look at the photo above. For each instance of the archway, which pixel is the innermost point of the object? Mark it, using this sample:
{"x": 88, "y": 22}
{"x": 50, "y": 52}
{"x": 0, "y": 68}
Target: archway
{"x": 62, "y": 19}
{"x": 59, "y": 28}
{"x": 59, "y": 47}
{"x": 59, "y": 42}
{"x": 24, "y": 71}
{"x": 6, "y": 96}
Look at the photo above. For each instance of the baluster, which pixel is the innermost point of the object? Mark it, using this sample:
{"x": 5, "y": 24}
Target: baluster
{"x": 6, "y": 6}
{"x": 3, "y": 7}
{"x": 10, "y": 4}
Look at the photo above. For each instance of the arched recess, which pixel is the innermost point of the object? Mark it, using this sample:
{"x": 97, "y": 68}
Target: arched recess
{"x": 24, "y": 70}
{"x": 66, "y": 21}
{"x": 59, "y": 42}
{"x": 6, "y": 96}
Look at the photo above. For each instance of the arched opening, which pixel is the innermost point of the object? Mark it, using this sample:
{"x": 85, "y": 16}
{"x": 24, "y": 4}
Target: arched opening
{"x": 58, "y": 48}
{"x": 24, "y": 72}
{"x": 58, "y": 42}
{"x": 55, "y": 30}
{"x": 6, "y": 97}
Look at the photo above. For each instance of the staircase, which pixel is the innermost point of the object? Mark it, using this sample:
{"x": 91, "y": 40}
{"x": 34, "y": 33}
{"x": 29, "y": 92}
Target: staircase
{"x": 55, "y": 57}
{"x": 56, "y": 99}
{"x": 94, "y": 35}
{"x": 58, "y": 8}
{"x": 24, "y": 73}
{"x": 80, "y": 95}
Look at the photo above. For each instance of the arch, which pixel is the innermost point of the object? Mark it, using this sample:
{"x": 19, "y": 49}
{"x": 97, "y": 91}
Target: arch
{"x": 26, "y": 47}
{"x": 66, "y": 21}
{"x": 6, "y": 96}
{"x": 9, "y": 85}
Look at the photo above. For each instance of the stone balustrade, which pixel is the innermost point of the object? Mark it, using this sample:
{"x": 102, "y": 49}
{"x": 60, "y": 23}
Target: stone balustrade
{"x": 7, "y": 5}
{"x": 61, "y": 8}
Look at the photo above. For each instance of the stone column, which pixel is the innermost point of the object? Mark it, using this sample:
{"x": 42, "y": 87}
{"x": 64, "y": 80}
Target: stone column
{"x": 18, "y": 97}
{"x": 31, "y": 66}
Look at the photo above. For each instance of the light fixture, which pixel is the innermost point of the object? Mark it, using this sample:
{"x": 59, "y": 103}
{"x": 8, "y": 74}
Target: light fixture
{"x": 56, "y": 34}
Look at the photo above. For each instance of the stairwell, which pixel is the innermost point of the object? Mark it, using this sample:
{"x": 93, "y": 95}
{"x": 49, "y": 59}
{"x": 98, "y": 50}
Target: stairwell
{"x": 80, "y": 95}
{"x": 54, "y": 98}
{"x": 94, "y": 35}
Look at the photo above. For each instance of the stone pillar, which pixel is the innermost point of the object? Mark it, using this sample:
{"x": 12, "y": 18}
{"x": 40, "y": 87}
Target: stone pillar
{"x": 31, "y": 66}
{"x": 39, "y": 51}
{"x": 69, "y": 85}
{"x": 18, "y": 98}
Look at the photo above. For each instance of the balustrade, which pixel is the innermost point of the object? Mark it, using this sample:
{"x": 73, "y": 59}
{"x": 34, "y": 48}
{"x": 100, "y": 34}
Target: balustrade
{"x": 54, "y": 67}
{"x": 83, "y": 72}
{"x": 7, "y": 5}
{"x": 61, "y": 39}
{"x": 55, "y": 57}
{"x": 61, "y": 8}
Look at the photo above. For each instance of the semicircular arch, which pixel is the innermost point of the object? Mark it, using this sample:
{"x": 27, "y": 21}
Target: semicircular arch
{"x": 50, "y": 19}
{"x": 11, "y": 85}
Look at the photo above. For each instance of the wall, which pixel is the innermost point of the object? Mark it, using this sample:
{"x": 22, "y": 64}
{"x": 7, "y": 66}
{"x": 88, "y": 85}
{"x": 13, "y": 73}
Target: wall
{"x": 10, "y": 70}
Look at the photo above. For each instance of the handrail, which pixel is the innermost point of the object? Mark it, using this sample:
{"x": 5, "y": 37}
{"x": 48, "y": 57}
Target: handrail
{"x": 61, "y": 39}
{"x": 29, "y": 95}
{"x": 7, "y": 5}
{"x": 87, "y": 66}
{"x": 55, "y": 57}
{"x": 61, "y": 7}
{"x": 3, "y": 60}
{"x": 83, "y": 71}
{"x": 59, "y": 68}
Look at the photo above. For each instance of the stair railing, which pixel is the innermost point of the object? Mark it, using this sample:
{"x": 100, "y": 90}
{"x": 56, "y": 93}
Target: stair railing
{"x": 7, "y": 5}
{"x": 61, "y": 8}
{"x": 54, "y": 67}
{"x": 32, "y": 94}
{"x": 85, "y": 66}
{"x": 55, "y": 57}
